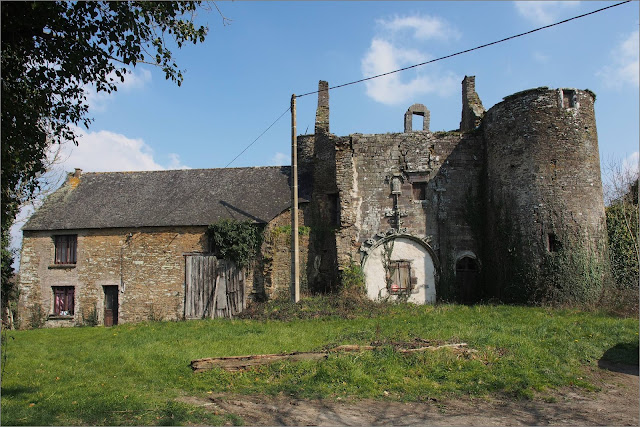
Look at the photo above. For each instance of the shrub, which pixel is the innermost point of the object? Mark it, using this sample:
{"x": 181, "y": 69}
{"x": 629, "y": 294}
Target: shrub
{"x": 37, "y": 317}
{"x": 236, "y": 241}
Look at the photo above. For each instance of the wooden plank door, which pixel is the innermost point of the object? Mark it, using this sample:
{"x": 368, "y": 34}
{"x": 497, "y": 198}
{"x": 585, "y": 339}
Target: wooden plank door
{"x": 110, "y": 305}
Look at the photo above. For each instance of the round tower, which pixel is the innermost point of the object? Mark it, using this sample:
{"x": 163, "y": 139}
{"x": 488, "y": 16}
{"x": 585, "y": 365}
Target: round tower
{"x": 546, "y": 230}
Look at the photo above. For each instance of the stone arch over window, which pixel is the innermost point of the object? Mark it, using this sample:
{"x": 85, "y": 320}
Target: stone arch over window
{"x": 416, "y": 110}
{"x": 403, "y": 260}
{"x": 466, "y": 269}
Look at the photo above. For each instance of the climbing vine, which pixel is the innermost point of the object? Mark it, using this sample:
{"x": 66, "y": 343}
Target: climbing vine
{"x": 386, "y": 262}
{"x": 237, "y": 241}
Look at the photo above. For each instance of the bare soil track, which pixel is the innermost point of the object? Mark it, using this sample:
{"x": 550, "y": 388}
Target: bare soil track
{"x": 617, "y": 403}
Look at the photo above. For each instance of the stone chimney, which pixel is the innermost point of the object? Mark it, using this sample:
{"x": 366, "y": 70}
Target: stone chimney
{"x": 322, "y": 113}
{"x": 74, "y": 178}
{"x": 472, "y": 109}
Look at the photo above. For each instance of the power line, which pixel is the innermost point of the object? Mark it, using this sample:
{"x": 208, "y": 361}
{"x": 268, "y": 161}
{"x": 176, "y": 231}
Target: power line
{"x": 429, "y": 62}
{"x": 259, "y": 136}
{"x": 468, "y": 50}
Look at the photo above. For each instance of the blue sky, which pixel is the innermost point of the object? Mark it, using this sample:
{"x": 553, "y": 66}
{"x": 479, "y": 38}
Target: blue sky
{"x": 241, "y": 78}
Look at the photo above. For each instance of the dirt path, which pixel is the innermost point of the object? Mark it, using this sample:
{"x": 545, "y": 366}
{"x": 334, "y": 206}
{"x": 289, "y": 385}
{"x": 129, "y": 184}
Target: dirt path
{"x": 615, "y": 404}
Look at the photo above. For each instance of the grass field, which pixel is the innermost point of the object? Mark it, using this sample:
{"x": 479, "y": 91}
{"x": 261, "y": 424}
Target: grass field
{"x": 132, "y": 374}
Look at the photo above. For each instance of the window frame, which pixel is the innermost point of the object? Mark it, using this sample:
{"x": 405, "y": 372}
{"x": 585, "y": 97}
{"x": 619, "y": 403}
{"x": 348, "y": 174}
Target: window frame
{"x": 65, "y": 249}
{"x": 419, "y": 189}
{"x": 65, "y": 306}
{"x": 396, "y": 276}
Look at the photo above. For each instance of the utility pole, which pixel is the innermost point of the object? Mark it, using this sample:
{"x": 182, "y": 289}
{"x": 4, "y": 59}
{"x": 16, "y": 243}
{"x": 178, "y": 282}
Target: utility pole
{"x": 295, "y": 265}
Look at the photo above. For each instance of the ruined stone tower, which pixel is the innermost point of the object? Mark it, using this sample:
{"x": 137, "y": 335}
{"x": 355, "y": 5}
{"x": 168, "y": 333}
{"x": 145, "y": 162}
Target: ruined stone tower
{"x": 544, "y": 201}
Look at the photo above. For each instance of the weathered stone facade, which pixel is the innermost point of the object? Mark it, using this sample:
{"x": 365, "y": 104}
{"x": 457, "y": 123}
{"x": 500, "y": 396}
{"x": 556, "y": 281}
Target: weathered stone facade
{"x": 110, "y": 247}
{"x": 527, "y": 167}
{"x": 273, "y": 273}
{"x": 145, "y": 264}
{"x": 508, "y": 207}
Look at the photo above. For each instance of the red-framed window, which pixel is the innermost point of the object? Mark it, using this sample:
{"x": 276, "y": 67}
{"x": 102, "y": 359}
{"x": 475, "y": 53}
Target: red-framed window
{"x": 63, "y": 300}
{"x": 66, "y": 248}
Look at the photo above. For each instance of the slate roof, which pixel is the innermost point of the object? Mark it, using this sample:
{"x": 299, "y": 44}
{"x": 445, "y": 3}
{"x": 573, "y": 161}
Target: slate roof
{"x": 166, "y": 198}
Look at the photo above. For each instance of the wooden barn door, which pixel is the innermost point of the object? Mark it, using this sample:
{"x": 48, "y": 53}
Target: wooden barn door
{"x": 213, "y": 288}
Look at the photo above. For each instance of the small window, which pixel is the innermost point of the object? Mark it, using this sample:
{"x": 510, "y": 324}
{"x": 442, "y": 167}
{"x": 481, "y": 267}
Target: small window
{"x": 553, "y": 244}
{"x": 334, "y": 208}
{"x": 419, "y": 190}
{"x": 66, "y": 249}
{"x": 569, "y": 98}
{"x": 400, "y": 274}
{"x": 63, "y": 300}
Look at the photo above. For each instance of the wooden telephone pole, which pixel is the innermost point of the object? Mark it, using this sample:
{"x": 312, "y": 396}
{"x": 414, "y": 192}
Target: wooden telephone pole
{"x": 295, "y": 262}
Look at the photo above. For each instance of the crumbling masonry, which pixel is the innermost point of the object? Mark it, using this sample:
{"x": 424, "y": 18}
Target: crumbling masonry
{"x": 503, "y": 208}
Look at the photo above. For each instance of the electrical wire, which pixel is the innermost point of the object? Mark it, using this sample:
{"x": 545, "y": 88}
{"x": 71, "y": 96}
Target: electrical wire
{"x": 429, "y": 62}
{"x": 259, "y": 136}
{"x": 468, "y": 50}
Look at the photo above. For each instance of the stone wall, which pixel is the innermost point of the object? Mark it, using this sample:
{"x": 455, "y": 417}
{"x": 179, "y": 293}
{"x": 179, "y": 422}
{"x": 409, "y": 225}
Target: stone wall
{"x": 323, "y": 214}
{"x": 437, "y": 176}
{"x": 543, "y": 184}
{"x": 275, "y": 254}
{"x": 147, "y": 266}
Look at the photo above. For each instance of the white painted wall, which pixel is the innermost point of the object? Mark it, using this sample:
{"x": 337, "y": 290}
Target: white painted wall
{"x": 404, "y": 249}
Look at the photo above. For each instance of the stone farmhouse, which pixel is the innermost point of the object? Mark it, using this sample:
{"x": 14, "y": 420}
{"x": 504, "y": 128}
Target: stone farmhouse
{"x": 499, "y": 209}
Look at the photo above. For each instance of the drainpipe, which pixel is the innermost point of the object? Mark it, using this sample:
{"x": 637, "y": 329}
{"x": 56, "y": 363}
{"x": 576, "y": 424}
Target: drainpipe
{"x": 126, "y": 242}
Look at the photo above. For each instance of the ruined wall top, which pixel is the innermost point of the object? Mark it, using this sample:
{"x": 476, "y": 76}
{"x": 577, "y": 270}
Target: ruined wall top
{"x": 472, "y": 108}
{"x": 322, "y": 113}
{"x": 417, "y": 110}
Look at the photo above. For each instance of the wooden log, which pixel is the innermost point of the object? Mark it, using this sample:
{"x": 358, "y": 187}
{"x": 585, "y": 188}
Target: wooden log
{"x": 236, "y": 363}
{"x": 431, "y": 348}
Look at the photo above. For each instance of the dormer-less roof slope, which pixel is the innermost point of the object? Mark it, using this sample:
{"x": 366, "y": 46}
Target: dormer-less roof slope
{"x": 165, "y": 198}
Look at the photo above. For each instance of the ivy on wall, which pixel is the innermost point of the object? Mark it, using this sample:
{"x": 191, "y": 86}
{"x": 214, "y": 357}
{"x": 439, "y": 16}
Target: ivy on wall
{"x": 237, "y": 241}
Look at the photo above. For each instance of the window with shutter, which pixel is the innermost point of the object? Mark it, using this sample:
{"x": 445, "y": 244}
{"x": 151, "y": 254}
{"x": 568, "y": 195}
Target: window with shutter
{"x": 401, "y": 277}
{"x": 63, "y": 300}
{"x": 66, "y": 248}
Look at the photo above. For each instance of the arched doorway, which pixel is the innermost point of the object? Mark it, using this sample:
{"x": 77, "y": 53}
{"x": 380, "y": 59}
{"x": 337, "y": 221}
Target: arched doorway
{"x": 401, "y": 267}
{"x": 467, "y": 269}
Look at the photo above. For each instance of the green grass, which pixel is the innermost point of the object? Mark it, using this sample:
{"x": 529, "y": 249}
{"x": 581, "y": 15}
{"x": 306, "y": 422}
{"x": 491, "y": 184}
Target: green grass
{"x": 132, "y": 374}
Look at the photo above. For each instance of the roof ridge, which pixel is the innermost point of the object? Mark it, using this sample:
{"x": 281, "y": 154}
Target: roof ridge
{"x": 183, "y": 169}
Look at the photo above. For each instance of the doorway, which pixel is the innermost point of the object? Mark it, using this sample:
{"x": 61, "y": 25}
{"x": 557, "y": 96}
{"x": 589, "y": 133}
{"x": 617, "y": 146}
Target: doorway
{"x": 467, "y": 280}
{"x": 110, "y": 305}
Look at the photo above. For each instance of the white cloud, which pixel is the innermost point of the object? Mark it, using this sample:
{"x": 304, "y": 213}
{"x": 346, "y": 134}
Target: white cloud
{"x": 383, "y": 56}
{"x": 624, "y": 66}
{"x": 400, "y": 42}
{"x": 541, "y": 57}
{"x": 543, "y": 12}
{"x": 422, "y": 27}
{"x": 105, "y": 151}
{"x": 175, "y": 162}
{"x": 134, "y": 80}
{"x": 101, "y": 151}
{"x": 281, "y": 159}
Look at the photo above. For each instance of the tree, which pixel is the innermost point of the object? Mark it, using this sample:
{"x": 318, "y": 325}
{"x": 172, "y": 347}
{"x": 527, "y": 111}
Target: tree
{"x": 621, "y": 195}
{"x": 51, "y": 53}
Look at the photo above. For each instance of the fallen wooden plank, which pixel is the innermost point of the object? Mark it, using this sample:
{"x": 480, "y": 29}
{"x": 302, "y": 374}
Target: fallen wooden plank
{"x": 236, "y": 363}
{"x": 414, "y": 350}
